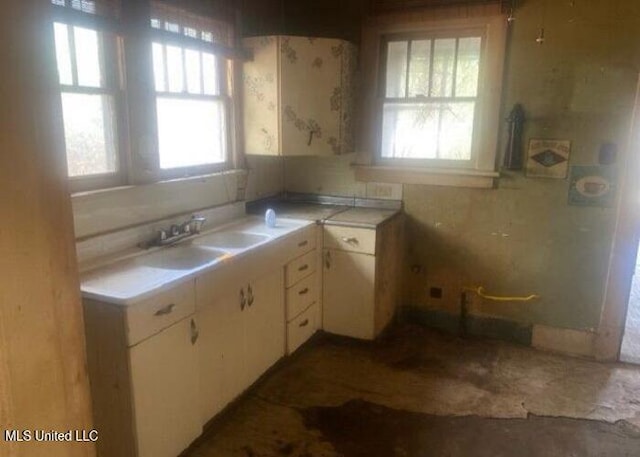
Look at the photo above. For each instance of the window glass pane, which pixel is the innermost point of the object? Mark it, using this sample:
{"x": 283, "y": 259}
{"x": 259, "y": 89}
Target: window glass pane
{"x": 88, "y": 57}
{"x": 89, "y": 134}
{"x": 191, "y": 132}
{"x": 419, "y": 68}
{"x": 468, "y": 67}
{"x": 396, "y": 69}
{"x": 210, "y": 71}
{"x": 87, "y": 6}
{"x": 190, "y": 32}
{"x": 443, "y": 60}
{"x": 172, "y": 27}
{"x": 192, "y": 58}
{"x": 158, "y": 67}
{"x": 428, "y": 131}
{"x": 456, "y": 131}
{"x": 410, "y": 131}
{"x": 63, "y": 53}
{"x": 175, "y": 69}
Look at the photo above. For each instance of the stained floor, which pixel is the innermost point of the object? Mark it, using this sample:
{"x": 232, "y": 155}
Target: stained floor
{"x": 421, "y": 393}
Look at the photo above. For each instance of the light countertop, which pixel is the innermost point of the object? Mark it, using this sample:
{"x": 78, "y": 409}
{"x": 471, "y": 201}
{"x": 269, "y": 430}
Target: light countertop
{"x": 362, "y": 217}
{"x": 131, "y": 277}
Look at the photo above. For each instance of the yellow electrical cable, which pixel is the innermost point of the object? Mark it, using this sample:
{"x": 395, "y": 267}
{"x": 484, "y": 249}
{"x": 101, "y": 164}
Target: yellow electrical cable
{"x": 480, "y": 291}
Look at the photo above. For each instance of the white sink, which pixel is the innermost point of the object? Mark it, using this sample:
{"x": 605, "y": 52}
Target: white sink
{"x": 231, "y": 240}
{"x": 180, "y": 257}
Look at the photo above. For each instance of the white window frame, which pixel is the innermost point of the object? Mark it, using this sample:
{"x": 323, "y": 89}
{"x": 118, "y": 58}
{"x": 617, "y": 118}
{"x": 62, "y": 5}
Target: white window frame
{"x": 481, "y": 170}
{"x": 138, "y": 148}
{"x": 224, "y": 70}
{"x": 112, "y": 60}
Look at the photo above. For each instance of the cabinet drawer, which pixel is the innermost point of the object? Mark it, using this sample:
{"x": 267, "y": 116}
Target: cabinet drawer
{"x": 351, "y": 239}
{"x": 300, "y": 243}
{"x": 158, "y": 312}
{"x": 301, "y": 267}
{"x": 301, "y": 328}
{"x": 301, "y": 295}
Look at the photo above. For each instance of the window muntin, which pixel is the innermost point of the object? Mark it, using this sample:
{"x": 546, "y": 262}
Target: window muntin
{"x": 430, "y": 98}
{"x": 105, "y": 8}
{"x": 88, "y": 100}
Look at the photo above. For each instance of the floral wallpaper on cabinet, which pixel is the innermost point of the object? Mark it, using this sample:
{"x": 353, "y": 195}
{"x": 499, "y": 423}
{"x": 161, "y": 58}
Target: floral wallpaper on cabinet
{"x": 340, "y": 100}
{"x": 262, "y": 92}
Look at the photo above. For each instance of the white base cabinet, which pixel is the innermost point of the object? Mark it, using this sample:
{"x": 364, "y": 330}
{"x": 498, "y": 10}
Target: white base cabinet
{"x": 242, "y": 322}
{"x": 165, "y": 391}
{"x": 221, "y": 357}
{"x": 361, "y": 278}
{"x": 349, "y": 283}
{"x": 162, "y": 367}
{"x": 264, "y": 334}
{"x": 143, "y": 362}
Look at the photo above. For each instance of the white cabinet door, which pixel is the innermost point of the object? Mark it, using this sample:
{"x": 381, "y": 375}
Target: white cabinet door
{"x": 221, "y": 352}
{"x": 311, "y": 96}
{"x": 264, "y": 324}
{"x": 165, "y": 391}
{"x": 348, "y": 293}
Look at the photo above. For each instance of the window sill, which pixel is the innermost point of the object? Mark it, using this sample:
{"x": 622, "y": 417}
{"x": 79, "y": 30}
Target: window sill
{"x": 164, "y": 182}
{"x": 429, "y": 176}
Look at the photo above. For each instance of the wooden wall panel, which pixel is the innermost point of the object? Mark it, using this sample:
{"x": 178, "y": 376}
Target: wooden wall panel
{"x": 42, "y": 357}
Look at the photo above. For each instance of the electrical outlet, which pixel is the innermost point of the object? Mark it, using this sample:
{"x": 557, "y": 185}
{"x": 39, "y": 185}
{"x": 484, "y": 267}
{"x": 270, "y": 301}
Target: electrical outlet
{"x": 435, "y": 292}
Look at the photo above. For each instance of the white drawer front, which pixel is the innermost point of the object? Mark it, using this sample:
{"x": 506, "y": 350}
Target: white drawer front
{"x": 301, "y": 328}
{"x": 301, "y": 295}
{"x": 351, "y": 239}
{"x": 301, "y": 242}
{"x": 301, "y": 267}
{"x": 158, "y": 312}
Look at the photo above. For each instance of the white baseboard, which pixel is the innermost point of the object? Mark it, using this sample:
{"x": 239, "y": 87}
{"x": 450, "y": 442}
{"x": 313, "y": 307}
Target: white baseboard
{"x": 564, "y": 341}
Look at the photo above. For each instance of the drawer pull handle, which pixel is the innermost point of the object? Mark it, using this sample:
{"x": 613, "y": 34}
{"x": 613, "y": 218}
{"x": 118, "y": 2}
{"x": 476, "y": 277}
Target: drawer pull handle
{"x": 350, "y": 240}
{"x": 304, "y": 291}
{"x": 327, "y": 260}
{"x": 165, "y": 310}
{"x": 249, "y": 295}
{"x": 303, "y": 267}
{"x": 243, "y": 300}
{"x": 195, "y": 334}
{"x": 303, "y": 243}
{"x": 304, "y": 323}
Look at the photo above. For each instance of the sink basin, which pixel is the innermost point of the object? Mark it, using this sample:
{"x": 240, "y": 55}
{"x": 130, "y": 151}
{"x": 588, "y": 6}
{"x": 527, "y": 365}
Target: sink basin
{"x": 231, "y": 240}
{"x": 180, "y": 258}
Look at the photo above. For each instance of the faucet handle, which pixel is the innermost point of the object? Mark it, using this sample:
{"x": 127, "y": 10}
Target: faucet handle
{"x": 197, "y": 220}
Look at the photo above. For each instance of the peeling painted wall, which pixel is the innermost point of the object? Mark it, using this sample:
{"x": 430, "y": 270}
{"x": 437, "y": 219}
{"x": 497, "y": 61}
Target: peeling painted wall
{"x": 523, "y": 237}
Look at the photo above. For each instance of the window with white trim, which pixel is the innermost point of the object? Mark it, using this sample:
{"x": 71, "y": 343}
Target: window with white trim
{"x": 88, "y": 71}
{"x": 431, "y": 108}
{"x": 430, "y": 97}
{"x": 192, "y": 92}
{"x": 190, "y": 104}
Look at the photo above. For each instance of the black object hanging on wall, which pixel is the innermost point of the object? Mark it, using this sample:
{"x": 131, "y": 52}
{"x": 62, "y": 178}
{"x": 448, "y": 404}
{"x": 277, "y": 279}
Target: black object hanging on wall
{"x": 513, "y": 156}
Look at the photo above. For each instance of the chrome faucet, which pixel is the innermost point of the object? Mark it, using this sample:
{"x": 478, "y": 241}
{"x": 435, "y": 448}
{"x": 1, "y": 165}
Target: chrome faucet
{"x": 193, "y": 225}
{"x": 176, "y": 232}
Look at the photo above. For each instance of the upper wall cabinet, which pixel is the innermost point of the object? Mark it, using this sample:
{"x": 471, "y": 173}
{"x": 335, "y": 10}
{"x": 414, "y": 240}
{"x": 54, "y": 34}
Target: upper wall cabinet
{"x": 298, "y": 96}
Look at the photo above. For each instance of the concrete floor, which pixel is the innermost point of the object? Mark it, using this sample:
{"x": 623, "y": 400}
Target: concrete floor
{"x": 422, "y": 393}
